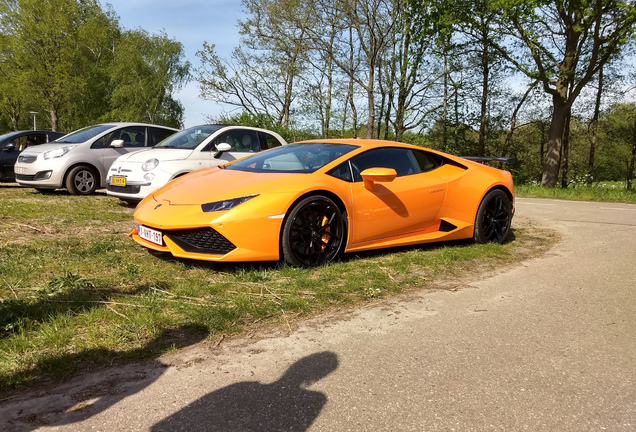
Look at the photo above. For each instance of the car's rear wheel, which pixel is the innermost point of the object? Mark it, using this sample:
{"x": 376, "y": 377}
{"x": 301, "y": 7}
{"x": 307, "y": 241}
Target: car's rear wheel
{"x": 81, "y": 180}
{"x": 494, "y": 215}
{"x": 314, "y": 232}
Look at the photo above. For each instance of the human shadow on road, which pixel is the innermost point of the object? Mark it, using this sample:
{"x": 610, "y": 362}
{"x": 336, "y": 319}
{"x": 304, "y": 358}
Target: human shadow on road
{"x": 89, "y": 394}
{"x": 284, "y": 405}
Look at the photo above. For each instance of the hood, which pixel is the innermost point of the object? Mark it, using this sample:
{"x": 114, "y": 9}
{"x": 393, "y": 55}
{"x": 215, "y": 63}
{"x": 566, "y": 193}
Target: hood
{"x": 162, "y": 154}
{"x": 214, "y": 184}
{"x": 43, "y": 148}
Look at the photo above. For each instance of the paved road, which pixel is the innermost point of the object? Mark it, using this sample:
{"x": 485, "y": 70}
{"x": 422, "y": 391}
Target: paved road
{"x": 547, "y": 346}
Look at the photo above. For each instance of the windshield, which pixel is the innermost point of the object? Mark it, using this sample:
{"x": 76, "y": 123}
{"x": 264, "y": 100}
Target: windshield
{"x": 189, "y": 138}
{"x": 8, "y": 135}
{"x": 293, "y": 158}
{"x": 85, "y": 134}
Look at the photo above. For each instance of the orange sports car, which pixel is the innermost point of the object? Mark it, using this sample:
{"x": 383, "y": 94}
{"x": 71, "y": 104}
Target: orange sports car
{"x": 307, "y": 202}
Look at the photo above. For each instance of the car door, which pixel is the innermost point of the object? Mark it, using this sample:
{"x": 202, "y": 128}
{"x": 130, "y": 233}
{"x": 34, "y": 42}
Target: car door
{"x": 8, "y": 155}
{"x": 134, "y": 138}
{"x": 244, "y": 142}
{"x": 408, "y": 204}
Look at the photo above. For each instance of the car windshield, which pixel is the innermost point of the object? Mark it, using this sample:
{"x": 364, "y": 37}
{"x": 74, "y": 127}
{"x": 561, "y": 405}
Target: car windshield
{"x": 8, "y": 135}
{"x": 189, "y": 138}
{"x": 85, "y": 134}
{"x": 293, "y": 158}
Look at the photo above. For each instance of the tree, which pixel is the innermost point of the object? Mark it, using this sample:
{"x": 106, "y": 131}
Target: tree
{"x": 53, "y": 46}
{"x": 564, "y": 44}
{"x": 145, "y": 72}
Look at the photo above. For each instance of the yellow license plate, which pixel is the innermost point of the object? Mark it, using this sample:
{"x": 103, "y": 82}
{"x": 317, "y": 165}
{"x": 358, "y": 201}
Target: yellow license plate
{"x": 118, "y": 181}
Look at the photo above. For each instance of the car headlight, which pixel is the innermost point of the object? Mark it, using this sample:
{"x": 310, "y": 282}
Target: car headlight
{"x": 56, "y": 153}
{"x": 225, "y": 204}
{"x": 150, "y": 164}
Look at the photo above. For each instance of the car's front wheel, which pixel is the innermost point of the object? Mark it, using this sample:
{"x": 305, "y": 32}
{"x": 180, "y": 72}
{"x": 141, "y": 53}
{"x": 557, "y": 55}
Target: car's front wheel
{"x": 81, "y": 180}
{"x": 494, "y": 215}
{"x": 314, "y": 232}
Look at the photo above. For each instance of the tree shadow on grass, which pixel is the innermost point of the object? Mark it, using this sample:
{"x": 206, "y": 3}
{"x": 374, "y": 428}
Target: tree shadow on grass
{"x": 85, "y": 395}
{"x": 68, "y": 295}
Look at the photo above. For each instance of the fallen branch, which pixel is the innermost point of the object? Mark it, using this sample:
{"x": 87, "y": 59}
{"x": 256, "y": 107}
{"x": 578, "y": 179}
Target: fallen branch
{"x": 28, "y": 226}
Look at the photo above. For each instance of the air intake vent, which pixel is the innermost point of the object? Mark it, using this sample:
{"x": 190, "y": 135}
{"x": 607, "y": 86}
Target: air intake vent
{"x": 446, "y": 226}
{"x": 201, "y": 240}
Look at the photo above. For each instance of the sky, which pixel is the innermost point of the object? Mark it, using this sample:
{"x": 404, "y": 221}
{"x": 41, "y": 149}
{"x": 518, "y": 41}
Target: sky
{"x": 190, "y": 22}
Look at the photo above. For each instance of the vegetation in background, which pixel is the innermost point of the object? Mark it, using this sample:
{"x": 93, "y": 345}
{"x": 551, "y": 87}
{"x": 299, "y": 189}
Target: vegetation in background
{"x": 70, "y": 61}
{"x": 491, "y": 77}
{"x": 77, "y": 294}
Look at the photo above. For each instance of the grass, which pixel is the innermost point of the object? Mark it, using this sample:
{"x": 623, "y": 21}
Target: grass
{"x": 604, "y": 191}
{"x": 77, "y": 294}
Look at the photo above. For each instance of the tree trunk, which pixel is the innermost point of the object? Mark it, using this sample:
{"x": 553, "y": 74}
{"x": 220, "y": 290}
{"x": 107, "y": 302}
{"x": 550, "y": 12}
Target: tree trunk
{"x": 566, "y": 151}
{"x": 555, "y": 141}
{"x": 481, "y": 151}
{"x": 54, "y": 119}
{"x": 382, "y": 99}
{"x": 594, "y": 125}
{"x": 371, "y": 102}
{"x": 445, "y": 105}
{"x": 632, "y": 162}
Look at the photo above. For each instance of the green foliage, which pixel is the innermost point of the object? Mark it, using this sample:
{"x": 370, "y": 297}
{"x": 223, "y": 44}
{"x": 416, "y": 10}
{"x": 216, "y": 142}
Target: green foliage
{"x": 69, "y": 61}
{"x": 145, "y": 72}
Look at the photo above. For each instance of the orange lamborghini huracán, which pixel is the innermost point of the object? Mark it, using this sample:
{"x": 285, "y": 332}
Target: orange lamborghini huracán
{"x": 305, "y": 203}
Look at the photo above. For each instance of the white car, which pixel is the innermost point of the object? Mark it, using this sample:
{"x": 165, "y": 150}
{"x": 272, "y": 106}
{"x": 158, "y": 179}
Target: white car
{"x": 80, "y": 160}
{"x": 133, "y": 176}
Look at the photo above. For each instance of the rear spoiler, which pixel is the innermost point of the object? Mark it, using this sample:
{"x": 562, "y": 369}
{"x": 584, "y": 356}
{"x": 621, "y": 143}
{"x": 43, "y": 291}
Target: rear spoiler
{"x": 483, "y": 159}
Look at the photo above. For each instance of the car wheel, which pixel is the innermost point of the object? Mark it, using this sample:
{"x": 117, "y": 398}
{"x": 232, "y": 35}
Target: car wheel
{"x": 81, "y": 180}
{"x": 314, "y": 232}
{"x": 494, "y": 215}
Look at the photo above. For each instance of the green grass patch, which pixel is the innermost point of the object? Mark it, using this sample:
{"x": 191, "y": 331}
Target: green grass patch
{"x": 604, "y": 192}
{"x": 77, "y": 294}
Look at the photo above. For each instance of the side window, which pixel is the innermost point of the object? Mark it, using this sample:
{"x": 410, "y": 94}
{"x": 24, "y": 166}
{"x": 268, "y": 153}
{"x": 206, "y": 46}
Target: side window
{"x": 401, "y": 160}
{"x": 427, "y": 161}
{"x": 103, "y": 141}
{"x": 269, "y": 141}
{"x": 240, "y": 140}
{"x": 157, "y": 135}
{"x": 134, "y": 136}
{"x": 33, "y": 139}
{"x": 342, "y": 172}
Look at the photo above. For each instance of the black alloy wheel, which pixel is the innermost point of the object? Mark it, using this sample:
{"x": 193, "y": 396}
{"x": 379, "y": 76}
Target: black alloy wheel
{"x": 314, "y": 232}
{"x": 494, "y": 215}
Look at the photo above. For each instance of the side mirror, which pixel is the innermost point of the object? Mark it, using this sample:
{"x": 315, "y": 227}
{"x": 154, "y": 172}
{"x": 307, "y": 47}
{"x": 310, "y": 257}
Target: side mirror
{"x": 117, "y": 143}
{"x": 9, "y": 147}
{"x": 372, "y": 175}
{"x": 221, "y": 148}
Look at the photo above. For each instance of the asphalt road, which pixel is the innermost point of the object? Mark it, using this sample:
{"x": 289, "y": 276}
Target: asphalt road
{"x": 549, "y": 345}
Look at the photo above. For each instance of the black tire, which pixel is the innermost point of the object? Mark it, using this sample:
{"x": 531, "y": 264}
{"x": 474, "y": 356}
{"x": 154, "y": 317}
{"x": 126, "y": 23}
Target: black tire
{"x": 494, "y": 215}
{"x": 314, "y": 232}
{"x": 82, "y": 180}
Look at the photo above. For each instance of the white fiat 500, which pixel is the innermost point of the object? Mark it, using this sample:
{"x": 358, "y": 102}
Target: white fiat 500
{"x": 133, "y": 176}
{"x": 80, "y": 160}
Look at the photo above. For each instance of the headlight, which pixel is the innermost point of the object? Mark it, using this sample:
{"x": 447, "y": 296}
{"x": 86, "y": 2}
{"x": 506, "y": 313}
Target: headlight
{"x": 225, "y": 204}
{"x": 150, "y": 164}
{"x": 56, "y": 153}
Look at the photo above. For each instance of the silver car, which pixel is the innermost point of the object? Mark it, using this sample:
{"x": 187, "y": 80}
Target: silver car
{"x": 80, "y": 160}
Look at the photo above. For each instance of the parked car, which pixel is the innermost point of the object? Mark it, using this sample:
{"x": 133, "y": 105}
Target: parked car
{"x": 133, "y": 176}
{"x": 305, "y": 203}
{"x": 13, "y": 143}
{"x": 80, "y": 160}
